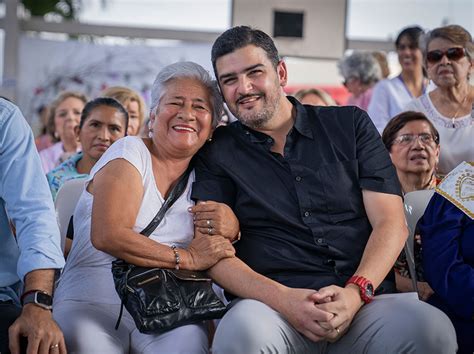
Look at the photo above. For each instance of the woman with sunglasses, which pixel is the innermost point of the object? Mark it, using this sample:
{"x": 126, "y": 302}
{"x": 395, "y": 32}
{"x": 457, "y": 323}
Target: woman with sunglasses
{"x": 391, "y": 95}
{"x": 448, "y": 57}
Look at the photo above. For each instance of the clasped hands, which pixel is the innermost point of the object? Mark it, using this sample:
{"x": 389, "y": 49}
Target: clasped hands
{"x": 321, "y": 315}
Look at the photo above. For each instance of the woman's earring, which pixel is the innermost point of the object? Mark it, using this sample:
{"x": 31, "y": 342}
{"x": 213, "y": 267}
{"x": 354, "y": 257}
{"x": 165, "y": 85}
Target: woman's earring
{"x": 150, "y": 133}
{"x": 209, "y": 139}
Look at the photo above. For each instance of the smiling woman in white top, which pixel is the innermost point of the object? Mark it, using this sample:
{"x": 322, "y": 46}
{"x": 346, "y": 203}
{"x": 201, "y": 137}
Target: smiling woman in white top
{"x": 391, "y": 95}
{"x": 124, "y": 191}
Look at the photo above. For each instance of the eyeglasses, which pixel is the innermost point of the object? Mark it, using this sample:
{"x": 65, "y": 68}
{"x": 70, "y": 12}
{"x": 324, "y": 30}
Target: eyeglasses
{"x": 408, "y": 139}
{"x": 346, "y": 82}
{"x": 454, "y": 53}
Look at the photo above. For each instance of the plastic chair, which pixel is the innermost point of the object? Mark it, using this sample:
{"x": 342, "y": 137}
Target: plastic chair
{"x": 66, "y": 200}
{"x": 415, "y": 206}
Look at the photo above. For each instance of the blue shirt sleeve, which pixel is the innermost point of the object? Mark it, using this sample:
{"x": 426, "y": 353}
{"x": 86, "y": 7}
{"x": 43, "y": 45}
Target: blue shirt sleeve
{"x": 25, "y": 195}
{"x": 445, "y": 233}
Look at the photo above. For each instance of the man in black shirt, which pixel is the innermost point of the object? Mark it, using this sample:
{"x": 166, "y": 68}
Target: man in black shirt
{"x": 321, "y": 219}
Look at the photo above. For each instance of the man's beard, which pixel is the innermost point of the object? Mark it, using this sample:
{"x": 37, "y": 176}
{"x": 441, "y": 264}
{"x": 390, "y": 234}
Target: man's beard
{"x": 258, "y": 120}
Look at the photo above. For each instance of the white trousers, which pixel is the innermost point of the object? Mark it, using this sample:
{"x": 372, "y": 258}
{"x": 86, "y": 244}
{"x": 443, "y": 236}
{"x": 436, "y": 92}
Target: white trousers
{"x": 89, "y": 329}
{"x": 395, "y": 323}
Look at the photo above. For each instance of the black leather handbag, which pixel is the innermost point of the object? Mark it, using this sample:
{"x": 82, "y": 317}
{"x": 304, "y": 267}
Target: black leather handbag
{"x": 162, "y": 299}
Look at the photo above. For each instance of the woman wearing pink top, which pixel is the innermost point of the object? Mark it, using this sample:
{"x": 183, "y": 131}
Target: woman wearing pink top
{"x": 361, "y": 72}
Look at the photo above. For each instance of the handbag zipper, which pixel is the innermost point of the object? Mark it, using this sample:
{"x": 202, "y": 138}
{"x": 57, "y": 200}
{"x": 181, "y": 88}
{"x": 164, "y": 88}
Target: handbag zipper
{"x": 149, "y": 280}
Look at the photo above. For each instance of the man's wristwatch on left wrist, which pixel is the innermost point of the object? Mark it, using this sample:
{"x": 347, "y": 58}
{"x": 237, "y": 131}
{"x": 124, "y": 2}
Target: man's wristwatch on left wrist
{"x": 39, "y": 298}
{"x": 366, "y": 288}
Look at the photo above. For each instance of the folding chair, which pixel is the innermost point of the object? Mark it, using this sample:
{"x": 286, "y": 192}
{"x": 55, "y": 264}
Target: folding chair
{"x": 66, "y": 200}
{"x": 415, "y": 206}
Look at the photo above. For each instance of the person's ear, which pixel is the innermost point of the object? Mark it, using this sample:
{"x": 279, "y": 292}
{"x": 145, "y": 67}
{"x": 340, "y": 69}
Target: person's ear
{"x": 77, "y": 132}
{"x": 437, "y": 150}
{"x": 282, "y": 73}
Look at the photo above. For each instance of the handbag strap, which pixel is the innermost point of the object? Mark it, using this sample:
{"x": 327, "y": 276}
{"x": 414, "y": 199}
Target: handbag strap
{"x": 175, "y": 193}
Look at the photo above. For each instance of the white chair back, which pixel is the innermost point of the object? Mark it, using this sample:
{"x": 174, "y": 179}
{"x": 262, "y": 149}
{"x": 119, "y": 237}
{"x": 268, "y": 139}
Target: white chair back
{"x": 415, "y": 206}
{"x": 66, "y": 200}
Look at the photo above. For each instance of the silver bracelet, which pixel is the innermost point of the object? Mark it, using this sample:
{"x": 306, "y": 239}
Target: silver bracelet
{"x": 176, "y": 257}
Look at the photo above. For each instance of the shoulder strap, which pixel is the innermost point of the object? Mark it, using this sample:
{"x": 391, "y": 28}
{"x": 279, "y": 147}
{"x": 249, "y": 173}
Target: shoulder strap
{"x": 175, "y": 193}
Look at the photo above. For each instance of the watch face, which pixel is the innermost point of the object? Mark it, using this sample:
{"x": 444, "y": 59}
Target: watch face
{"x": 369, "y": 290}
{"x": 44, "y": 299}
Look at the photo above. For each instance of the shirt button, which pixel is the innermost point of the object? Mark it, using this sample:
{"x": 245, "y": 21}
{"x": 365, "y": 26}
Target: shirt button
{"x": 306, "y": 213}
{"x": 319, "y": 240}
{"x": 269, "y": 140}
{"x": 298, "y": 178}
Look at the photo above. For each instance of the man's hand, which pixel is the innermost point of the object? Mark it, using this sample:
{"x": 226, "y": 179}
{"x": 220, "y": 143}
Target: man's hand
{"x": 298, "y": 307}
{"x": 37, "y": 324}
{"x": 214, "y": 218}
{"x": 343, "y": 303}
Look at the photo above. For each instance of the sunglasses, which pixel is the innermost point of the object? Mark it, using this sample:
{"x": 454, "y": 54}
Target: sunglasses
{"x": 454, "y": 53}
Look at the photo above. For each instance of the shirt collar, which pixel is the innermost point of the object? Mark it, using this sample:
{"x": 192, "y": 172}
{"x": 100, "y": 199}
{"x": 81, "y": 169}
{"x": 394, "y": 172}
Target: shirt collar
{"x": 302, "y": 124}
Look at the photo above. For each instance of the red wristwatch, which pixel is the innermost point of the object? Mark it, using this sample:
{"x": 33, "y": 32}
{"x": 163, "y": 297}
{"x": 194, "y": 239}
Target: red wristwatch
{"x": 365, "y": 286}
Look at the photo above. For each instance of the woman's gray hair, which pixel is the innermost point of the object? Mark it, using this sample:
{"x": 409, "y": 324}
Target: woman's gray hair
{"x": 187, "y": 69}
{"x": 360, "y": 65}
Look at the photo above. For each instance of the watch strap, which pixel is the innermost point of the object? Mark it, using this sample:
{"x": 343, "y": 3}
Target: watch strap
{"x": 366, "y": 289}
{"x": 37, "y": 297}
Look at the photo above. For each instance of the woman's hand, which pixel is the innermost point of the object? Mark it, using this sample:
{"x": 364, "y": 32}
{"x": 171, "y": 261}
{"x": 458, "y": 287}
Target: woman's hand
{"x": 205, "y": 251}
{"x": 212, "y": 218}
{"x": 424, "y": 290}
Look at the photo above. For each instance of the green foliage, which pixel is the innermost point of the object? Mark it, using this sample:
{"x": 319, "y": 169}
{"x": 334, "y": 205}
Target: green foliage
{"x": 65, "y": 8}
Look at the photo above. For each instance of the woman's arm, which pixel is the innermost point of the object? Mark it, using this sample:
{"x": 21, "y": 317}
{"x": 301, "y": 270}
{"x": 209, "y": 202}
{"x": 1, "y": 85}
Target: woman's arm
{"x": 118, "y": 194}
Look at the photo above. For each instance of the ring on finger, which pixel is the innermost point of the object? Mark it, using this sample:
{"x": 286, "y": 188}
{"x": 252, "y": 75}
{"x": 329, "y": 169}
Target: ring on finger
{"x": 54, "y": 346}
{"x": 210, "y": 230}
{"x": 208, "y": 222}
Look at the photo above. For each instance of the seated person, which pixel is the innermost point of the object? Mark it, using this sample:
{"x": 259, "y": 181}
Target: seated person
{"x": 321, "y": 215}
{"x": 361, "y": 72}
{"x": 133, "y": 103}
{"x": 124, "y": 191}
{"x": 103, "y": 121}
{"x": 413, "y": 143}
{"x": 30, "y": 257}
{"x": 65, "y": 114}
{"x": 447, "y": 230}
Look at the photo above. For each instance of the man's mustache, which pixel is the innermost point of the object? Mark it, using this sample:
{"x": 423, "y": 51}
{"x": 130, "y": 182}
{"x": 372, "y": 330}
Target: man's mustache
{"x": 250, "y": 95}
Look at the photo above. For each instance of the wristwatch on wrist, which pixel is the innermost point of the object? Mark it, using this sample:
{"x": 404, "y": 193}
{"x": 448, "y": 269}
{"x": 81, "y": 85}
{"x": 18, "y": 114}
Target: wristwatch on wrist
{"x": 39, "y": 298}
{"x": 365, "y": 286}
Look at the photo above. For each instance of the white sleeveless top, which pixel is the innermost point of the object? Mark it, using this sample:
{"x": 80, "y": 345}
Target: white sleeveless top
{"x": 457, "y": 142}
{"x": 87, "y": 275}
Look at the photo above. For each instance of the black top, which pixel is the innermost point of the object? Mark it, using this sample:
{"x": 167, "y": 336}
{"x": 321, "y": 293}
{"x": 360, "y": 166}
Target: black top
{"x": 301, "y": 215}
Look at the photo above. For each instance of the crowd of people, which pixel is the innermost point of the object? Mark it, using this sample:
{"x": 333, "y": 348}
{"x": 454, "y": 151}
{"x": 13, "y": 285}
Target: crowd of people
{"x": 295, "y": 209}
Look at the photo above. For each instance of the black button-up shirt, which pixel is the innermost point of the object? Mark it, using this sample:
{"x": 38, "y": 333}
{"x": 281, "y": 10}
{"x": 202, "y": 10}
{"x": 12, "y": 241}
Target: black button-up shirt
{"x": 301, "y": 215}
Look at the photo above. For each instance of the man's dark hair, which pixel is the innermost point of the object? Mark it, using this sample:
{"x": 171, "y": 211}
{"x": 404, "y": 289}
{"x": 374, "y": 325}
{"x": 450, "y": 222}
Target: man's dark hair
{"x": 239, "y": 37}
{"x": 103, "y": 101}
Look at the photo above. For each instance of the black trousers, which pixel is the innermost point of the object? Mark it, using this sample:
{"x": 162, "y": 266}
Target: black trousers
{"x": 9, "y": 312}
